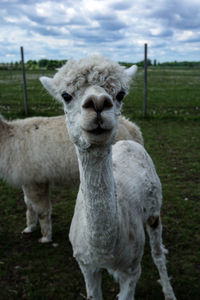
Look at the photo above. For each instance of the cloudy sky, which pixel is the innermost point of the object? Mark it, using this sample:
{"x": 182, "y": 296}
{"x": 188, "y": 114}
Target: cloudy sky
{"x": 118, "y": 29}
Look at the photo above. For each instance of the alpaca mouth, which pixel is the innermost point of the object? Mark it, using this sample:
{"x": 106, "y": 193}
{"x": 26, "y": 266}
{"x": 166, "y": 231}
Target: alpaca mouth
{"x": 98, "y": 131}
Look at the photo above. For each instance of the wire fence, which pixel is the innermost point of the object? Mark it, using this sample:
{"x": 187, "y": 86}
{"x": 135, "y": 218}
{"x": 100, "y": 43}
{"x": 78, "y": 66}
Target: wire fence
{"x": 171, "y": 91}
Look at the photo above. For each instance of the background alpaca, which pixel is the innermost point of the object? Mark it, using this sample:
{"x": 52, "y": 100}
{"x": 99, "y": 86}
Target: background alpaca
{"x": 37, "y": 151}
{"x": 119, "y": 188}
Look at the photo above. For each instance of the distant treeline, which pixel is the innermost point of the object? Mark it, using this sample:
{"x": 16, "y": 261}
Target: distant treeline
{"x": 49, "y": 64}
{"x": 154, "y": 63}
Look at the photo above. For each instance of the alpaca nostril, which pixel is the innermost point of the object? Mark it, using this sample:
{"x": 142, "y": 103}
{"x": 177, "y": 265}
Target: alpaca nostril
{"x": 107, "y": 103}
{"x": 89, "y": 103}
{"x": 99, "y": 103}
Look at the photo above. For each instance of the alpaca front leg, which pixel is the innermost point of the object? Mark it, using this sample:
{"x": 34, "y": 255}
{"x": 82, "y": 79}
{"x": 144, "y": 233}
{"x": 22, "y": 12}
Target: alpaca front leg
{"x": 38, "y": 198}
{"x": 128, "y": 284}
{"x": 92, "y": 278}
{"x": 154, "y": 229}
{"x": 44, "y": 215}
{"x": 31, "y": 215}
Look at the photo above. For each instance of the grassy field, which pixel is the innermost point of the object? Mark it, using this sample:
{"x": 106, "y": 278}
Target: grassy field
{"x": 29, "y": 270}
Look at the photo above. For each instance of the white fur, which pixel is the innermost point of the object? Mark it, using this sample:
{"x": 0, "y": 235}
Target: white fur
{"x": 37, "y": 151}
{"x": 120, "y": 191}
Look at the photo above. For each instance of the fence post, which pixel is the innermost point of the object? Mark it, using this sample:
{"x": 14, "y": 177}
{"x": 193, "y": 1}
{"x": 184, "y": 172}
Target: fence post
{"x": 145, "y": 80}
{"x": 24, "y": 82}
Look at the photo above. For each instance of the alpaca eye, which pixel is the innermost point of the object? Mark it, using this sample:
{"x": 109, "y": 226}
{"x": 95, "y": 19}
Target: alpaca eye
{"x": 120, "y": 96}
{"x": 67, "y": 97}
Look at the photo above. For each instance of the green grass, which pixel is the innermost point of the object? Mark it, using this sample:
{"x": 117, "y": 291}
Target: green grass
{"x": 32, "y": 271}
{"x": 12, "y": 95}
{"x": 172, "y": 92}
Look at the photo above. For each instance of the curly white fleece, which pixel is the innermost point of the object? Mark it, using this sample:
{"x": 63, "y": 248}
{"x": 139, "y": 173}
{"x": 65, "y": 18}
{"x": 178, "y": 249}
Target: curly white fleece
{"x": 90, "y": 71}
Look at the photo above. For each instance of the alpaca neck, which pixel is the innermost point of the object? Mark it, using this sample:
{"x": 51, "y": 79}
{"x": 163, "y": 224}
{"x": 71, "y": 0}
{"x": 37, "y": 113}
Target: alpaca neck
{"x": 98, "y": 194}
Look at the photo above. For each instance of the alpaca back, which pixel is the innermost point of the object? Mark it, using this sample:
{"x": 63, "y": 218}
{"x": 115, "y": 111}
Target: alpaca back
{"x": 39, "y": 150}
{"x": 129, "y": 131}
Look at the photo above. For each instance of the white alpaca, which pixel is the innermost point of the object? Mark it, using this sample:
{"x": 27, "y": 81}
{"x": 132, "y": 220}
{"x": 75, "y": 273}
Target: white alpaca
{"x": 119, "y": 188}
{"x": 37, "y": 151}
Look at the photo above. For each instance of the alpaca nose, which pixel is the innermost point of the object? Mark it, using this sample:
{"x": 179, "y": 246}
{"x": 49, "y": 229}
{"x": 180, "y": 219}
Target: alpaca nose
{"x": 98, "y": 103}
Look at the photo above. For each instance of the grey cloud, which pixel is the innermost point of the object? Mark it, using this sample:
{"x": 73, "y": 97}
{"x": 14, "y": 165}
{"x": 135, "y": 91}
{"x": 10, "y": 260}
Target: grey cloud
{"x": 57, "y": 20}
{"x": 159, "y": 45}
{"x": 109, "y": 21}
{"x": 7, "y": 49}
{"x": 177, "y": 14}
{"x": 163, "y": 33}
{"x": 195, "y": 39}
{"x": 121, "y": 5}
{"x": 90, "y": 35}
{"x": 112, "y": 25}
{"x": 28, "y": 9}
{"x": 47, "y": 32}
{"x": 44, "y": 20}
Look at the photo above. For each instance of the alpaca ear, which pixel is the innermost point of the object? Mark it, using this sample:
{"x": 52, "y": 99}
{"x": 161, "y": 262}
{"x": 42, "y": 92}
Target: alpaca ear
{"x": 131, "y": 71}
{"x": 48, "y": 84}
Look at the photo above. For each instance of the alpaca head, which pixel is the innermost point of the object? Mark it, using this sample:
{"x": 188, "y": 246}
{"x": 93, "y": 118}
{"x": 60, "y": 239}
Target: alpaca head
{"x": 91, "y": 91}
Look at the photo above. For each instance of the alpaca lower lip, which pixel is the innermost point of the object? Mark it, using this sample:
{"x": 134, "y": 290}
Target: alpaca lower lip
{"x": 99, "y": 130}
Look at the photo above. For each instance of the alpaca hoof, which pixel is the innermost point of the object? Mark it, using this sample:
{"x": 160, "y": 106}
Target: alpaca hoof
{"x": 44, "y": 240}
{"x": 29, "y": 229}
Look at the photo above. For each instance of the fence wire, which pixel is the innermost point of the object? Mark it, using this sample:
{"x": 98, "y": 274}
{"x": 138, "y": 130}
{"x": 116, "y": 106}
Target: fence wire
{"x": 172, "y": 91}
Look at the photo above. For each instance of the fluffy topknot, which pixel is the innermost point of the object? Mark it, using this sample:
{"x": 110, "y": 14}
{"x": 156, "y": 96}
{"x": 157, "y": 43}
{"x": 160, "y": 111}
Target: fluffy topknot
{"x": 93, "y": 70}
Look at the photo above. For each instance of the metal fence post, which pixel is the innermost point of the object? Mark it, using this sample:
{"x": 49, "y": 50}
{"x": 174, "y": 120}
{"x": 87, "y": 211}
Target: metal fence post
{"x": 145, "y": 80}
{"x": 24, "y": 82}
